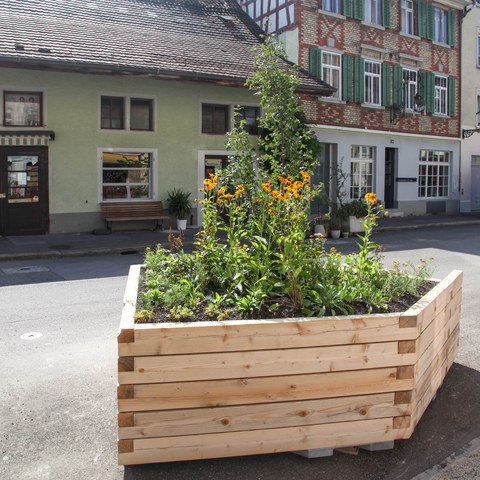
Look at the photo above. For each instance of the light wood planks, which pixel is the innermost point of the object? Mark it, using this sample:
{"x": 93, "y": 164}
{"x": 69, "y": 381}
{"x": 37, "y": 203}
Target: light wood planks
{"x": 219, "y": 389}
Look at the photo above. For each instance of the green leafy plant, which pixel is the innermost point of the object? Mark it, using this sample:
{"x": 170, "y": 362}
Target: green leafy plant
{"x": 255, "y": 256}
{"x": 179, "y": 203}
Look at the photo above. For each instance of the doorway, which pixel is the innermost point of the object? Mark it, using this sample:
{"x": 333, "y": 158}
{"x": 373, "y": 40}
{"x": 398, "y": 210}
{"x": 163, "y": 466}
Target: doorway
{"x": 321, "y": 175}
{"x": 390, "y": 165}
{"x": 214, "y": 164}
{"x": 475, "y": 185}
{"x": 23, "y": 190}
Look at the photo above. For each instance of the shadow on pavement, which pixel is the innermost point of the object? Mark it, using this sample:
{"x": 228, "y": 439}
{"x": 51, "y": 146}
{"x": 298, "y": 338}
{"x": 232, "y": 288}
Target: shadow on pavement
{"x": 451, "y": 421}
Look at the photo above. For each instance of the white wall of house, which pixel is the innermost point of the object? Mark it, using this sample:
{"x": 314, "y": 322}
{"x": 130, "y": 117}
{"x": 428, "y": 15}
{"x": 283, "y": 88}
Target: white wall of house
{"x": 407, "y": 158}
{"x": 470, "y": 154}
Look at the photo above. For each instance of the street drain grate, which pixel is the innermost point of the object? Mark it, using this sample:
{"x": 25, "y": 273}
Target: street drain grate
{"x": 129, "y": 252}
{"x": 29, "y": 269}
{"x": 60, "y": 247}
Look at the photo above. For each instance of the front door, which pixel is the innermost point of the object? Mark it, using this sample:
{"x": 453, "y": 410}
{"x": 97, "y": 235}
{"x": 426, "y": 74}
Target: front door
{"x": 23, "y": 190}
{"x": 389, "y": 194}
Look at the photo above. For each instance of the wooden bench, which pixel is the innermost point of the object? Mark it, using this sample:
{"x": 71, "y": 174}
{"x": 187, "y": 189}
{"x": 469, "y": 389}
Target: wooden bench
{"x": 130, "y": 211}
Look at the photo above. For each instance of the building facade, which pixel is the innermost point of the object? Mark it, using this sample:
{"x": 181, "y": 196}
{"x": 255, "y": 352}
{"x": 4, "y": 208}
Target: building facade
{"x": 117, "y": 101}
{"x": 393, "y": 126}
{"x": 470, "y": 172}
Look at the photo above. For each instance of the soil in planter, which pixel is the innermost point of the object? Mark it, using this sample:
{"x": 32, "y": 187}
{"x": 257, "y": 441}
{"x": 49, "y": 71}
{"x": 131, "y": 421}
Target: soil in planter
{"x": 284, "y": 309}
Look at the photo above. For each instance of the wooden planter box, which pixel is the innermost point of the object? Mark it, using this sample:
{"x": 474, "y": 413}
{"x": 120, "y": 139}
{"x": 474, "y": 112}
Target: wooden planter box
{"x": 221, "y": 389}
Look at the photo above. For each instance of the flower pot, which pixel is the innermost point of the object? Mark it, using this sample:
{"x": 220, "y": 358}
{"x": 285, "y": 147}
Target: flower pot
{"x": 319, "y": 229}
{"x": 181, "y": 224}
{"x": 191, "y": 391}
{"x": 345, "y": 234}
{"x": 355, "y": 225}
{"x": 335, "y": 233}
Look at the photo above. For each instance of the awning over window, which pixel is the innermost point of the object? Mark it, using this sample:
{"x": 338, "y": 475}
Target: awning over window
{"x": 22, "y": 138}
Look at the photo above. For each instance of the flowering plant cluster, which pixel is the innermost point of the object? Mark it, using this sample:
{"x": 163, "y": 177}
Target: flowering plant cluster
{"x": 254, "y": 257}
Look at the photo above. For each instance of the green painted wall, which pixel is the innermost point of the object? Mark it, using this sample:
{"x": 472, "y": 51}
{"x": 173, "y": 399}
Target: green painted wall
{"x": 72, "y": 109}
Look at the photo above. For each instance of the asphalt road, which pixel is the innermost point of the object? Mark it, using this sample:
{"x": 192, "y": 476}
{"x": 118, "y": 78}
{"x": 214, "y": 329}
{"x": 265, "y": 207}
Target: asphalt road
{"x": 59, "y": 319}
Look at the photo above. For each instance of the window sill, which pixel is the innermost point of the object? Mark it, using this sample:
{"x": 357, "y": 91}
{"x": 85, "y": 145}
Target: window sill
{"x": 332, "y": 14}
{"x": 440, "y": 115}
{"x": 374, "y": 25}
{"x": 373, "y": 106}
{"x": 337, "y": 101}
{"x": 441, "y": 44}
{"x": 410, "y": 35}
{"x": 119, "y": 130}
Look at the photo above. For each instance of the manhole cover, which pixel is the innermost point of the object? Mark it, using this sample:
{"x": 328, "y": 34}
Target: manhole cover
{"x": 29, "y": 269}
{"x": 31, "y": 336}
{"x": 60, "y": 247}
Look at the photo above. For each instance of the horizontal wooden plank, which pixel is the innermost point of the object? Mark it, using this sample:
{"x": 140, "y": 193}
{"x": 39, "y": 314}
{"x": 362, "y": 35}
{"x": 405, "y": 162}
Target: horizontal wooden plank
{"x": 435, "y": 347}
{"x": 432, "y": 363}
{"x": 262, "y": 416}
{"x": 263, "y": 363}
{"x": 445, "y": 321}
{"x": 209, "y": 337}
{"x": 166, "y": 396}
{"x": 219, "y": 445}
{"x": 438, "y": 298}
{"x": 431, "y": 383}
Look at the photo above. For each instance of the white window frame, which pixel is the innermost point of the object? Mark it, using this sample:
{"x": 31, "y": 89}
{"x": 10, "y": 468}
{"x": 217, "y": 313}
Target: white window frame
{"x": 362, "y": 161}
{"x": 333, "y": 6}
{"x": 127, "y": 103}
{"x": 441, "y": 25}
{"x": 329, "y": 70}
{"x": 434, "y": 174}
{"x": 373, "y": 84}
{"x": 410, "y": 85}
{"x": 153, "y": 182}
{"x": 373, "y": 11}
{"x": 441, "y": 95}
{"x": 408, "y": 17}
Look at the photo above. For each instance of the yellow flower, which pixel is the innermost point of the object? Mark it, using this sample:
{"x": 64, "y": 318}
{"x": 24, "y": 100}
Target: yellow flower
{"x": 267, "y": 186}
{"x": 305, "y": 175}
{"x": 371, "y": 198}
{"x": 210, "y": 183}
{"x": 240, "y": 190}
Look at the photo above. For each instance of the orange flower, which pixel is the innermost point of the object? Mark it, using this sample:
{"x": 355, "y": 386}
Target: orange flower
{"x": 371, "y": 198}
{"x": 240, "y": 190}
{"x": 210, "y": 183}
{"x": 305, "y": 175}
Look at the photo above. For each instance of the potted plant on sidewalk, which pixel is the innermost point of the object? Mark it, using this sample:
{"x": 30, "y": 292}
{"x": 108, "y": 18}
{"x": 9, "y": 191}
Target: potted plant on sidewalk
{"x": 179, "y": 205}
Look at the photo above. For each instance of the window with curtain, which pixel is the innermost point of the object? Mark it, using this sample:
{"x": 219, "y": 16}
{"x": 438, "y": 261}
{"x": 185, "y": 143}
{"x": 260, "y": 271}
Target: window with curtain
{"x": 408, "y": 17}
{"x": 373, "y": 11}
{"x": 441, "y": 96}
{"x": 373, "y": 81}
{"x": 409, "y": 88}
{"x": 332, "y": 71}
{"x": 361, "y": 171}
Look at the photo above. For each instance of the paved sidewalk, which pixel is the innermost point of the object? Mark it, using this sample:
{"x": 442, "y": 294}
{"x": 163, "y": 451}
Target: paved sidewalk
{"x": 64, "y": 245}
